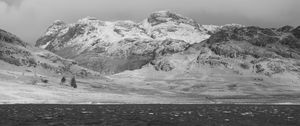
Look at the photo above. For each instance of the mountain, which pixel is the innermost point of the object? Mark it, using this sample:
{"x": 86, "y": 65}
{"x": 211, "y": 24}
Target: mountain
{"x": 237, "y": 64}
{"x": 169, "y": 55}
{"x": 112, "y": 47}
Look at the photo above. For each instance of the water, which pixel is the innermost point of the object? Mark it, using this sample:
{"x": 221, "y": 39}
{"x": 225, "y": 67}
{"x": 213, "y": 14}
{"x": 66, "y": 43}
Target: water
{"x": 149, "y": 115}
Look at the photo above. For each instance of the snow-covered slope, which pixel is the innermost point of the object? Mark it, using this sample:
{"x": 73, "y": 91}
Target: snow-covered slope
{"x": 89, "y": 33}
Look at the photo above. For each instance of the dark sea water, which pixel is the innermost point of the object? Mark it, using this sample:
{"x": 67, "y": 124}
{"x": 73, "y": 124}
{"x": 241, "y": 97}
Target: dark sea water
{"x": 149, "y": 115}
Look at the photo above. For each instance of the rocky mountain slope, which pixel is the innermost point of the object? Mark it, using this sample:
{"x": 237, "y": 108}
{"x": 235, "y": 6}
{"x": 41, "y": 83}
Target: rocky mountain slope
{"x": 18, "y": 53}
{"x": 268, "y": 51}
{"x": 261, "y": 51}
{"x": 13, "y": 50}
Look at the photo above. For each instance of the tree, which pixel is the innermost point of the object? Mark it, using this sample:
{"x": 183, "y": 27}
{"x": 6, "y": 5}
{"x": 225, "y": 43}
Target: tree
{"x": 73, "y": 82}
{"x": 63, "y": 80}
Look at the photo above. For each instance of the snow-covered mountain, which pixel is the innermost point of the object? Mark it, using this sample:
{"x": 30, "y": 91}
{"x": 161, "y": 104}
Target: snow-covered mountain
{"x": 111, "y": 47}
{"x": 89, "y": 31}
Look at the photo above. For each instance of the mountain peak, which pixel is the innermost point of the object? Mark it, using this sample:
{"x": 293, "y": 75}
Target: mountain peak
{"x": 160, "y": 17}
{"x": 234, "y": 25}
{"x": 87, "y": 19}
{"x": 166, "y": 14}
{"x": 59, "y": 22}
{"x": 55, "y": 27}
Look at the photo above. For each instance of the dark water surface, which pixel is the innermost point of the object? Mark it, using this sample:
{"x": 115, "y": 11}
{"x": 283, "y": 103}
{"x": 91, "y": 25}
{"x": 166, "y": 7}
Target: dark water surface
{"x": 149, "y": 115}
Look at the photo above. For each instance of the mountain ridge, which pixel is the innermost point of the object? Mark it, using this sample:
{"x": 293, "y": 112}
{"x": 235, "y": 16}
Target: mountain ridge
{"x": 124, "y": 40}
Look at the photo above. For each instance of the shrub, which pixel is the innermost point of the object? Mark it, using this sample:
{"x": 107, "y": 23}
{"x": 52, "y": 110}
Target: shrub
{"x": 11, "y": 60}
{"x": 73, "y": 82}
{"x": 258, "y": 79}
{"x": 63, "y": 80}
{"x": 259, "y": 68}
{"x": 32, "y": 62}
{"x": 44, "y": 80}
{"x": 232, "y": 86}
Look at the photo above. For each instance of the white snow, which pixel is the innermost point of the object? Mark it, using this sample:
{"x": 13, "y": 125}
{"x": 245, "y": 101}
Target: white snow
{"x": 44, "y": 46}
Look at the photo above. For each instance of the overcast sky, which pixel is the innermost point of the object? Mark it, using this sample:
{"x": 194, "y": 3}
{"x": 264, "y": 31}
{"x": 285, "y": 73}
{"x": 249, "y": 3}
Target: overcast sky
{"x": 29, "y": 18}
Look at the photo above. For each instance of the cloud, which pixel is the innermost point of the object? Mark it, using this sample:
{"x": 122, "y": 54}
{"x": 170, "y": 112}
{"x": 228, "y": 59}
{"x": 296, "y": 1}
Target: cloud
{"x": 12, "y": 2}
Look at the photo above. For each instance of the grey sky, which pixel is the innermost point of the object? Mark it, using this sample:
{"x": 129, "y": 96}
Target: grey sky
{"x": 30, "y": 18}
